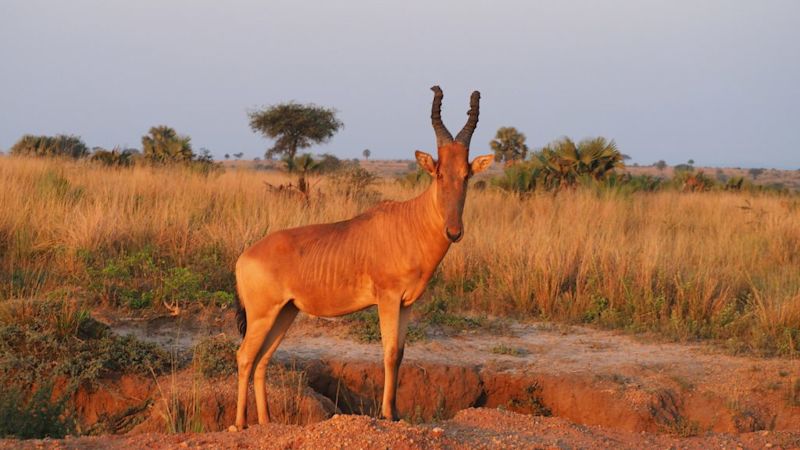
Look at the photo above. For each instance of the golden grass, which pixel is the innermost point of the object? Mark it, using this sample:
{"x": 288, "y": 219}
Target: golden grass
{"x": 715, "y": 265}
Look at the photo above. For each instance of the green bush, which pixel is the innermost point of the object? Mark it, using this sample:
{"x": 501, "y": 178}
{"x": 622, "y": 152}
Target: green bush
{"x": 437, "y": 310}
{"x": 33, "y": 417}
{"x": 115, "y": 157}
{"x": 564, "y": 164}
{"x": 141, "y": 280}
{"x": 365, "y": 327}
{"x": 215, "y": 356}
{"x": 357, "y": 183}
{"x": 48, "y": 340}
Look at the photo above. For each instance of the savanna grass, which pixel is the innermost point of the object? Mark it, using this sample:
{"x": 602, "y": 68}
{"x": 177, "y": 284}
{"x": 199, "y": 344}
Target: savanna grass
{"x": 718, "y": 265}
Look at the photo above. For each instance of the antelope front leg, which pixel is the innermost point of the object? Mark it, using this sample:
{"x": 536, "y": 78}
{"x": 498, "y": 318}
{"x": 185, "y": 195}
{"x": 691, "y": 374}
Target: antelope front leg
{"x": 394, "y": 323}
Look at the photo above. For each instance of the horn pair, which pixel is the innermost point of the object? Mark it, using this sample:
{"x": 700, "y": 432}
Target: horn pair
{"x": 443, "y": 137}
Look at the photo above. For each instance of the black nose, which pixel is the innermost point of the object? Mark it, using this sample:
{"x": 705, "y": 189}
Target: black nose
{"x": 454, "y": 237}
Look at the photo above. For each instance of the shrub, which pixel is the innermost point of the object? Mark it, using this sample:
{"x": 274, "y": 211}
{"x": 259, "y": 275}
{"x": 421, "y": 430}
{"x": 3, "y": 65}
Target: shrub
{"x": 215, "y": 356}
{"x": 416, "y": 177}
{"x": 42, "y": 341}
{"x": 141, "y": 280}
{"x": 357, "y": 183}
{"x": 115, "y": 157}
{"x": 48, "y": 338}
{"x": 563, "y": 164}
{"x": 34, "y": 416}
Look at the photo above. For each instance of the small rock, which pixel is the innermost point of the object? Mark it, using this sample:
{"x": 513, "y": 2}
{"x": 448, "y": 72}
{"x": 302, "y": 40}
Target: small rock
{"x": 769, "y": 445}
{"x": 765, "y": 432}
{"x": 437, "y": 432}
{"x": 232, "y": 429}
{"x": 183, "y": 444}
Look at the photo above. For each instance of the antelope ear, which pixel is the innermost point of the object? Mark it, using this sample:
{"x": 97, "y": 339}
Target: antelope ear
{"x": 426, "y": 162}
{"x": 481, "y": 163}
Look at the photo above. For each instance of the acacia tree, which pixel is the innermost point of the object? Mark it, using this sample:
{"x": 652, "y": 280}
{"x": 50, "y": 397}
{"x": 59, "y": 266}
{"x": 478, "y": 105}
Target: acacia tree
{"x": 294, "y": 126}
{"x": 366, "y": 154}
{"x": 163, "y": 145}
{"x": 509, "y": 145}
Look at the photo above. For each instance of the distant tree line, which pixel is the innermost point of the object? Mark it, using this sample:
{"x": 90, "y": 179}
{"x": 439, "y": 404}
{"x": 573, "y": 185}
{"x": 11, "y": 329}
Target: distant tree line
{"x": 597, "y": 162}
{"x": 162, "y": 145}
{"x": 292, "y": 126}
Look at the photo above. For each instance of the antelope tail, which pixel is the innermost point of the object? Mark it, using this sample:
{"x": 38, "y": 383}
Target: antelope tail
{"x": 241, "y": 314}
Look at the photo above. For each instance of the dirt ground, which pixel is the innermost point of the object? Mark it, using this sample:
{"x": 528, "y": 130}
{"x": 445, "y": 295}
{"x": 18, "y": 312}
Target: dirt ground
{"x": 532, "y": 386}
{"x": 469, "y": 429}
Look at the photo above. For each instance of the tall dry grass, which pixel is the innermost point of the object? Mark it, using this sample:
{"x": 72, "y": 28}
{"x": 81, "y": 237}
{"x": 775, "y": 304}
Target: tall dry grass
{"x": 716, "y": 265}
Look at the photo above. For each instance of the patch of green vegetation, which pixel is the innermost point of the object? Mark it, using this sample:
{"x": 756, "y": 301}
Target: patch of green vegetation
{"x": 684, "y": 427}
{"x": 48, "y": 340}
{"x": 55, "y": 184}
{"x": 596, "y": 310}
{"x": 365, "y": 327}
{"x": 503, "y": 349}
{"x": 34, "y": 416}
{"x": 215, "y": 356}
{"x": 41, "y": 339}
{"x": 141, "y": 280}
{"x": 439, "y": 311}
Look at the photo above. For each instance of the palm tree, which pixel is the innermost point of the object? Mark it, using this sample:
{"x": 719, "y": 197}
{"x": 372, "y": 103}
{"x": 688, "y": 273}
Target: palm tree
{"x": 509, "y": 145}
{"x": 303, "y": 164}
{"x": 562, "y": 163}
{"x": 163, "y": 145}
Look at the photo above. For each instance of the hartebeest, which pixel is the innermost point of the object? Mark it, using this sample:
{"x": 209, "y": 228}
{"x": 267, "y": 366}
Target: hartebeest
{"x": 383, "y": 257}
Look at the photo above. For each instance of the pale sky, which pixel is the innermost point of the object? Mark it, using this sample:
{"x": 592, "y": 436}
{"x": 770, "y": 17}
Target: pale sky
{"x": 717, "y": 81}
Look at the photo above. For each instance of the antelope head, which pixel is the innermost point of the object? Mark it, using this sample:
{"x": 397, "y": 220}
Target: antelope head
{"x": 452, "y": 171}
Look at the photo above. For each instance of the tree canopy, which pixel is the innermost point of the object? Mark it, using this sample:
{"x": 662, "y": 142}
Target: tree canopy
{"x": 294, "y": 126}
{"x": 163, "y": 145}
{"x": 562, "y": 163}
{"x": 61, "y": 145}
{"x": 509, "y": 145}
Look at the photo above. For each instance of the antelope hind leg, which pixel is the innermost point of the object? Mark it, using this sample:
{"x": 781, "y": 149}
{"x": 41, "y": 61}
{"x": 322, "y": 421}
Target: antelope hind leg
{"x": 274, "y": 337}
{"x": 394, "y": 323}
{"x": 246, "y": 356}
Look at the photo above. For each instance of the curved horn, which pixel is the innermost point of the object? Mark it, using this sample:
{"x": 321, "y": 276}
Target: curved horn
{"x": 465, "y": 135}
{"x": 443, "y": 136}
